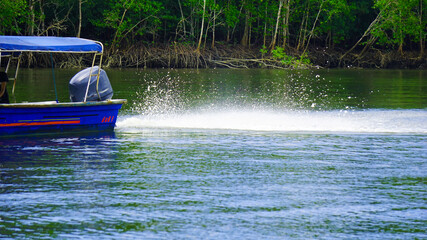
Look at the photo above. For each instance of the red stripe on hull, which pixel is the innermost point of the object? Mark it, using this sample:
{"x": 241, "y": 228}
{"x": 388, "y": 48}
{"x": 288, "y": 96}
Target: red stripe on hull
{"x": 39, "y": 123}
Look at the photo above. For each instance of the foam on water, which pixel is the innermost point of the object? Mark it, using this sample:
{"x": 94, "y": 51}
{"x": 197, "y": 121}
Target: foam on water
{"x": 354, "y": 121}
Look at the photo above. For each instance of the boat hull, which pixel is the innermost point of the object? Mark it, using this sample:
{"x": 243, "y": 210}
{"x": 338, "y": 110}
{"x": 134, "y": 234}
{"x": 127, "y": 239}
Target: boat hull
{"x": 52, "y": 117}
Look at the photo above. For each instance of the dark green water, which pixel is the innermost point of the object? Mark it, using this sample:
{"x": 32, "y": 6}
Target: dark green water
{"x": 227, "y": 154}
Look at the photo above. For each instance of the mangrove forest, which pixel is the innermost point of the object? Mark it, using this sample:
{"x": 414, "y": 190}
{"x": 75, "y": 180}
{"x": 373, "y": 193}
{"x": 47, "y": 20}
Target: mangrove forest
{"x": 231, "y": 33}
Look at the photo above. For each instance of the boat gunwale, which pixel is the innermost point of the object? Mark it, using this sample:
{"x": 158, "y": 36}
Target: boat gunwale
{"x": 51, "y": 104}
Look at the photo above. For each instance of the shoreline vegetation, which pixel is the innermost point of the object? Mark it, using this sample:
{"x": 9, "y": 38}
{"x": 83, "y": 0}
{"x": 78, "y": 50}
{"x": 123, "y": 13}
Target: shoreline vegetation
{"x": 229, "y": 33}
{"x": 234, "y": 57}
{"x": 237, "y": 56}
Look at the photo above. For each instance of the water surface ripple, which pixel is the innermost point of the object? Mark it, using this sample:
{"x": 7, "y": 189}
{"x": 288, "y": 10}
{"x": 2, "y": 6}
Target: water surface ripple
{"x": 197, "y": 169}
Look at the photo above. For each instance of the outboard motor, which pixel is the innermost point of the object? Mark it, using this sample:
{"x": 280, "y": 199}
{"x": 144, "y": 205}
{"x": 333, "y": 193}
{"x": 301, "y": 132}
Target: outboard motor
{"x": 78, "y": 85}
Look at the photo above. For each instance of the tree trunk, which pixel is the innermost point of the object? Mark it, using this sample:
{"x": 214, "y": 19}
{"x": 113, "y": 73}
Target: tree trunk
{"x": 206, "y": 34}
{"x": 79, "y": 29}
{"x": 265, "y": 24}
{"x": 228, "y": 27}
{"x": 314, "y": 25}
{"x": 250, "y": 35}
{"x": 228, "y": 35}
{"x": 400, "y": 48}
{"x": 286, "y": 23}
{"x": 329, "y": 40}
{"x": 41, "y": 29}
{"x": 33, "y": 18}
{"x": 213, "y": 27}
{"x": 273, "y": 42}
{"x": 303, "y": 28}
{"x": 201, "y": 30}
{"x": 182, "y": 17}
{"x": 235, "y": 25}
{"x": 245, "y": 39}
{"x": 367, "y": 32}
{"x": 422, "y": 36}
{"x": 368, "y": 44}
{"x": 116, "y": 35}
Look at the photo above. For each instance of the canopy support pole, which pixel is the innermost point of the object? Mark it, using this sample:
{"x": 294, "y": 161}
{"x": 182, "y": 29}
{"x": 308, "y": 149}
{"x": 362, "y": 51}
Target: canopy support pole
{"x": 94, "y": 74}
{"x": 98, "y": 75}
{"x": 53, "y": 75}
{"x": 16, "y": 71}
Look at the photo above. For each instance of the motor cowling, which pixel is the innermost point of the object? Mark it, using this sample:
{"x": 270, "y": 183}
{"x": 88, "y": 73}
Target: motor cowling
{"x": 78, "y": 85}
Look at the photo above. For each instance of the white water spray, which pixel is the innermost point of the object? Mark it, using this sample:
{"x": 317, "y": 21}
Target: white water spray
{"x": 363, "y": 121}
{"x": 292, "y": 102}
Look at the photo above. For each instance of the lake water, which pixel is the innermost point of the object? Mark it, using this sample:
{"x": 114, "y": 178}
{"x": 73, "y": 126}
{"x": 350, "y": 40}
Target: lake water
{"x": 227, "y": 154}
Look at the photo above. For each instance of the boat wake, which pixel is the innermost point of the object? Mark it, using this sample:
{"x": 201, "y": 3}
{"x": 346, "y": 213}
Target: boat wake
{"x": 346, "y": 121}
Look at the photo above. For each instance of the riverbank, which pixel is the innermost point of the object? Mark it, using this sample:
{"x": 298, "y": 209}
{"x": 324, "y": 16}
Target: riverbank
{"x": 237, "y": 56}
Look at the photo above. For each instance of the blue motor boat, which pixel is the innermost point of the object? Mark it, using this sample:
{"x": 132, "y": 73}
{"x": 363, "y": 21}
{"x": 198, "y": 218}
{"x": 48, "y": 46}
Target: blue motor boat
{"x": 91, "y": 107}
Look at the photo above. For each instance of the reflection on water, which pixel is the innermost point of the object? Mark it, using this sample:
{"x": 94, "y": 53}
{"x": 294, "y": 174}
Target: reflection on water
{"x": 171, "y": 91}
{"x": 160, "y": 91}
{"x": 225, "y": 155}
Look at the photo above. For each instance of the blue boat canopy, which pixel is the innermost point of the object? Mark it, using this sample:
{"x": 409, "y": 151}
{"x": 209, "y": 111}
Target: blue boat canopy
{"x": 49, "y": 44}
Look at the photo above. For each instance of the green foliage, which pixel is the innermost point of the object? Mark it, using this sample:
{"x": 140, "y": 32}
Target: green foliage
{"x": 231, "y": 15}
{"x": 263, "y": 50}
{"x": 12, "y": 13}
{"x": 128, "y": 16}
{"x": 336, "y": 19}
{"x": 400, "y": 20}
{"x": 120, "y": 23}
{"x": 279, "y": 54}
{"x": 303, "y": 59}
